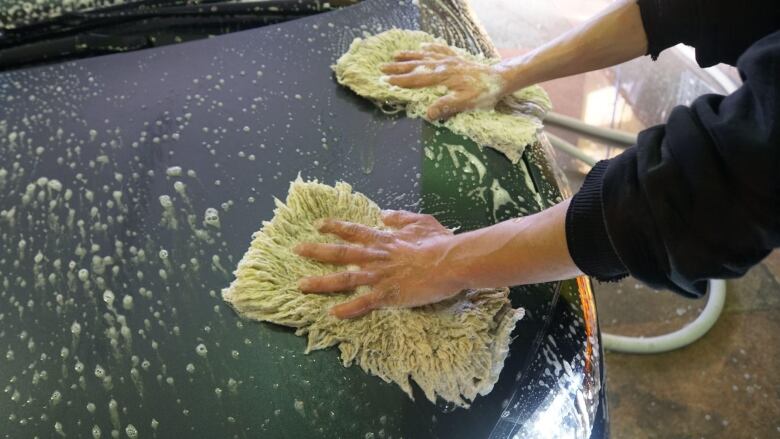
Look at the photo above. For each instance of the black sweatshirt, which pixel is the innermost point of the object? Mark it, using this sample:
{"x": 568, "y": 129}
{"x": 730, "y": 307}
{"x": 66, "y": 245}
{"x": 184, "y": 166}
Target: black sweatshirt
{"x": 699, "y": 197}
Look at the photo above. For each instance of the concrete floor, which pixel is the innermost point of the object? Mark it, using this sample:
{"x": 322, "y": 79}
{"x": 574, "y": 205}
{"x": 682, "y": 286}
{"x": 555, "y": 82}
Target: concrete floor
{"x": 726, "y": 385}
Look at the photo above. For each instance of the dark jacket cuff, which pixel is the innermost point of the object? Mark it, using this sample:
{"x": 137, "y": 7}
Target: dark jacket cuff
{"x": 586, "y": 231}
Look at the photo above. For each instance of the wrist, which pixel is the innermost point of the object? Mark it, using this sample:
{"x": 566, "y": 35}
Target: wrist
{"x": 450, "y": 264}
{"x": 458, "y": 263}
{"x": 507, "y": 76}
{"x": 514, "y": 74}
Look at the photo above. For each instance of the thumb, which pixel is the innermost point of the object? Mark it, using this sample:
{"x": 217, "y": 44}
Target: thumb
{"x": 358, "y": 306}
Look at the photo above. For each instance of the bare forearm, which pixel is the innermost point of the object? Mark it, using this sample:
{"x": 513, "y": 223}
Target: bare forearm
{"x": 614, "y": 36}
{"x": 525, "y": 250}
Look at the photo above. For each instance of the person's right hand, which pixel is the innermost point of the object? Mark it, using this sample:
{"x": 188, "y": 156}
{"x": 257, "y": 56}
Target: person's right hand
{"x": 470, "y": 84}
{"x": 405, "y": 266}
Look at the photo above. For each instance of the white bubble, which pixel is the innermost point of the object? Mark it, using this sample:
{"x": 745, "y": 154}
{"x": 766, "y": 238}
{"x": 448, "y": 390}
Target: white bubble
{"x": 173, "y": 171}
{"x": 55, "y": 185}
{"x": 201, "y": 350}
{"x": 113, "y": 411}
{"x": 55, "y": 398}
{"x": 131, "y": 431}
{"x": 211, "y": 217}
{"x": 299, "y": 407}
{"x": 190, "y": 368}
{"x": 127, "y": 303}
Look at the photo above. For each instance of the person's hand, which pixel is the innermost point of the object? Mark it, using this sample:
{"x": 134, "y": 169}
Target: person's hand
{"x": 404, "y": 266}
{"x": 470, "y": 84}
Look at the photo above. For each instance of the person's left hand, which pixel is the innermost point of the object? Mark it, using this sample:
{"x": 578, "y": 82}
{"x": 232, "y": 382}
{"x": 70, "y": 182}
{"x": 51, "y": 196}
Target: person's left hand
{"x": 470, "y": 84}
{"x": 405, "y": 266}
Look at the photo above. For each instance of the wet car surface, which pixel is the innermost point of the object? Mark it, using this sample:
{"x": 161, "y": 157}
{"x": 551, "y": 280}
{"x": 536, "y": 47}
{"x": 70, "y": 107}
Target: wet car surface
{"x": 130, "y": 185}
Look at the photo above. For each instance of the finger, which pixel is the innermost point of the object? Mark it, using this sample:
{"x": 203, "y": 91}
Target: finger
{"x": 401, "y": 218}
{"x": 447, "y": 106}
{"x": 417, "y": 79}
{"x": 437, "y": 48}
{"x": 339, "y": 254}
{"x": 353, "y": 232}
{"x": 398, "y": 68}
{"x": 358, "y": 306}
{"x": 332, "y": 283}
{"x": 408, "y": 55}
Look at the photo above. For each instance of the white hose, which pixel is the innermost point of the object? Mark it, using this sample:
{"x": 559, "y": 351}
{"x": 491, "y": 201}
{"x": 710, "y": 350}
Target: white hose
{"x": 677, "y": 339}
{"x": 662, "y": 343}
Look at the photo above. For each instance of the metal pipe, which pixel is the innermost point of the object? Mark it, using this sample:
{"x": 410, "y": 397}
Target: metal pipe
{"x": 581, "y": 127}
{"x": 570, "y": 149}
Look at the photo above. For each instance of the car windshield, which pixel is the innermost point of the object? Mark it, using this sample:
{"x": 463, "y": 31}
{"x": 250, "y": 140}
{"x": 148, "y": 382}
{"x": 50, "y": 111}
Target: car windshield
{"x": 19, "y": 13}
{"x": 32, "y": 33}
{"x": 15, "y": 14}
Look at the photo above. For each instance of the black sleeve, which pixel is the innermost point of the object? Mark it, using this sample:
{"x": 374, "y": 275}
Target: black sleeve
{"x": 695, "y": 199}
{"x": 720, "y": 30}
